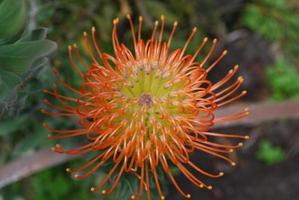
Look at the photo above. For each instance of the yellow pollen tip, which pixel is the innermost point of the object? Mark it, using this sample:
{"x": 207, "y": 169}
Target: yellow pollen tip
{"x": 221, "y": 173}
{"x": 45, "y": 124}
{"x": 42, "y": 110}
{"x": 215, "y": 40}
{"x": 115, "y": 21}
{"x": 231, "y": 150}
{"x": 128, "y": 16}
{"x": 76, "y": 175}
{"x": 175, "y": 23}
{"x": 75, "y": 45}
{"x": 246, "y": 109}
{"x": 233, "y": 163}
{"x": 205, "y": 39}
{"x": 210, "y": 187}
{"x": 188, "y": 196}
{"x": 140, "y": 18}
{"x": 244, "y": 92}
{"x": 201, "y": 185}
{"x": 53, "y": 148}
{"x": 240, "y": 78}
{"x": 68, "y": 170}
{"x": 162, "y": 17}
{"x": 240, "y": 144}
{"x": 247, "y": 137}
{"x": 57, "y": 146}
{"x": 92, "y": 189}
{"x": 133, "y": 197}
{"x": 236, "y": 67}
{"x": 85, "y": 34}
{"x": 93, "y": 29}
{"x": 156, "y": 22}
{"x": 224, "y": 52}
{"x": 104, "y": 191}
{"x": 162, "y": 197}
{"x": 70, "y": 47}
{"x": 194, "y": 29}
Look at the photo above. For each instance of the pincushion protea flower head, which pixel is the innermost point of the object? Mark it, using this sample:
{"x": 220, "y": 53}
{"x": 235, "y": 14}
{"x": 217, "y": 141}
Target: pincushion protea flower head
{"x": 148, "y": 108}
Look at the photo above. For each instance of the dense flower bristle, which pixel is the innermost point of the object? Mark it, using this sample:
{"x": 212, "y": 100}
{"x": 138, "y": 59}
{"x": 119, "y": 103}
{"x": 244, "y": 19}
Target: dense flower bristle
{"x": 146, "y": 108}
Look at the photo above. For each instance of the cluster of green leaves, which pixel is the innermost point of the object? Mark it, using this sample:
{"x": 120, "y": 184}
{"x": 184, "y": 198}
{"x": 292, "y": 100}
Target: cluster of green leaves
{"x": 277, "y": 21}
{"x": 283, "y": 79}
{"x": 22, "y": 54}
{"x": 273, "y": 19}
{"x": 270, "y": 154}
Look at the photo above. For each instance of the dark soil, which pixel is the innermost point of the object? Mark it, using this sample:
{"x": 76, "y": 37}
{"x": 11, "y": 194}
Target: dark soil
{"x": 252, "y": 179}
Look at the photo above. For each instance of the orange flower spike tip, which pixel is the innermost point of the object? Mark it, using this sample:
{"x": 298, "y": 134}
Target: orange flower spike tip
{"x": 146, "y": 108}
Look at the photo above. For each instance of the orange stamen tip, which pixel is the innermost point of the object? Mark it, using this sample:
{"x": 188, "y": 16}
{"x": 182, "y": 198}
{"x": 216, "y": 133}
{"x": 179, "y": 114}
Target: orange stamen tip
{"x": 240, "y": 144}
{"x": 231, "y": 150}
{"x": 58, "y": 146}
{"x": 205, "y": 39}
{"x": 128, "y": 16}
{"x": 221, "y": 173}
{"x": 104, "y": 192}
{"x": 194, "y": 29}
{"x": 210, "y": 187}
{"x": 233, "y": 163}
{"x": 93, "y": 29}
{"x": 224, "y": 52}
{"x": 201, "y": 185}
{"x": 92, "y": 189}
{"x": 215, "y": 40}
{"x": 85, "y": 34}
{"x": 246, "y": 109}
{"x": 133, "y": 197}
{"x": 247, "y": 137}
{"x": 188, "y": 196}
{"x": 241, "y": 78}
{"x": 140, "y": 18}
{"x": 236, "y": 67}
{"x": 156, "y": 22}
{"x": 175, "y": 23}
{"x": 116, "y": 20}
{"x": 162, "y": 17}
{"x": 244, "y": 92}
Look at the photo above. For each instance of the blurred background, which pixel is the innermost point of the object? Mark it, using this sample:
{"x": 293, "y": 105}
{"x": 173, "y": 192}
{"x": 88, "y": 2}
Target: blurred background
{"x": 262, "y": 36}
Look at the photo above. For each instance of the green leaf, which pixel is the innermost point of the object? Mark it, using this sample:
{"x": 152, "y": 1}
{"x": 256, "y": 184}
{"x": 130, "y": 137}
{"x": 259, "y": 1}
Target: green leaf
{"x": 13, "y": 17}
{"x": 8, "y": 81}
{"x": 36, "y": 34}
{"x": 269, "y": 153}
{"x": 19, "y": 57}
{"x": 9, "y": 126}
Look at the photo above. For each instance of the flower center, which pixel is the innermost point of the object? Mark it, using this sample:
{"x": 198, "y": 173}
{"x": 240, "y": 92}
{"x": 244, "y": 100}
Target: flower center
{"x": 145, "y": 99}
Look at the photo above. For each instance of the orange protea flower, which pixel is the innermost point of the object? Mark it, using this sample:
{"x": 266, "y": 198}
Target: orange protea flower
{"x": 145, "y": 109}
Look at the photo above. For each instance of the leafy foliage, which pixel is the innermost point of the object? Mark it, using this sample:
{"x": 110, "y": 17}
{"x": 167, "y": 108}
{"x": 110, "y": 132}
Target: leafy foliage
{"x": 283, "y": 79}
{"x": 22, "y": 54}
{"x": 270, "y": 154}
{"x": 270, "y": 19}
